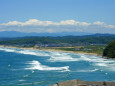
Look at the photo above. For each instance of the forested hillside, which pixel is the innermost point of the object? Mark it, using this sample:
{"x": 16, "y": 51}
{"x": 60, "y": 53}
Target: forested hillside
{"x": 94, "y": 39}
{"x": 110, "y": 50}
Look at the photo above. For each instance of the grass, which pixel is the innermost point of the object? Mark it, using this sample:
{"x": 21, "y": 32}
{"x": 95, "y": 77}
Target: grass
{"x": 97, "y": 49}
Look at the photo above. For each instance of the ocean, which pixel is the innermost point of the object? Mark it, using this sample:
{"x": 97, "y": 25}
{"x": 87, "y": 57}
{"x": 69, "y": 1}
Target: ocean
{"x": 26, "y": 67}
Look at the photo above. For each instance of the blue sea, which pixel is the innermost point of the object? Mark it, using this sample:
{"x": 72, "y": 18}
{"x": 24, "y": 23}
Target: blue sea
{"x": 26, "y": 67}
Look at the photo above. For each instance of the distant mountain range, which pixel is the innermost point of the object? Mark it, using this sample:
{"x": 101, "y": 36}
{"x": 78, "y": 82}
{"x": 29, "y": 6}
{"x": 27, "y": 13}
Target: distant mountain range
{"x": 14, "y": 34}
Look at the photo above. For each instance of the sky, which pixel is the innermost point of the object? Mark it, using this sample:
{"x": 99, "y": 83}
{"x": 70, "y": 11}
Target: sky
{"x": 92, "y": 16}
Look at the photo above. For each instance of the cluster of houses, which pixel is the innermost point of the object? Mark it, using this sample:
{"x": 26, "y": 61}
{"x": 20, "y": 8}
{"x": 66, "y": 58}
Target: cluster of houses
{"x": 49, "y": 45}
{"x": 55, "y": 45}
{"x": 60, "y": 45}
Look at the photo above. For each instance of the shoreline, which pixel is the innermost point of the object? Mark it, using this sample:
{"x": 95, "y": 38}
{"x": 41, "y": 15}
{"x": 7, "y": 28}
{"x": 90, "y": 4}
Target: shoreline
{"x": 55, "y": 50}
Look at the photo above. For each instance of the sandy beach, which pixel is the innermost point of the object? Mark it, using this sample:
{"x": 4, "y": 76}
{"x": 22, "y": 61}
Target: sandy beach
{"x": 56, "y": 50}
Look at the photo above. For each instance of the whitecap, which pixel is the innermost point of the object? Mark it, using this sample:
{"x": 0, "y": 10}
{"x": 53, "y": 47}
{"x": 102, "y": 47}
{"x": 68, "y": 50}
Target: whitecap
{"x": 21, "y": 80}
{"x": 36, "y": 65}
{"x": 83, "y": 57}
{"x": 25, "y": 76}
{"x": 25, "y": 51}
{"x": 106, "y": 73}
{"x": 107, "y": 64}
{"x": 32, "y": 71}
{"x": 101, "y": 64}
{"x": 9, "y": 65}
{"x": 33, "y": 52}
{"x": 87, "y": 70}
{"x": 61, "y": 57}
{"x": 7, "y": 49}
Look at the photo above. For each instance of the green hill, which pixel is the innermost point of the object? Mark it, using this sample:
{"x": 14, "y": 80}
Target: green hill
{"x": 110, "y": 50}
{"x": 91, "y": 39}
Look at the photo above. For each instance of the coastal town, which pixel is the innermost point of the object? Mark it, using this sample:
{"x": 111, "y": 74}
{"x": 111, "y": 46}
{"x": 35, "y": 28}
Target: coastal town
{"x": 78, "y": 48}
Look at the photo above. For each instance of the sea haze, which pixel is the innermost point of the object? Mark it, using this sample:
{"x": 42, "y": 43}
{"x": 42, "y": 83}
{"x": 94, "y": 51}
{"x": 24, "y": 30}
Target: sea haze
{"x": 42, "y": 68}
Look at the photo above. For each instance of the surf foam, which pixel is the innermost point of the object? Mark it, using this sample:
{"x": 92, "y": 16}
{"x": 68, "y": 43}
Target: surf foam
{"x": 25, "y": 51}
{"x": 66, "y": 57}
{"x": 36, "y": 65}
{"x": 61, "y": 57}
{"x": 93, "y": 70}
{"x": 7, "y": 50}
{"x": 107, "y": 64}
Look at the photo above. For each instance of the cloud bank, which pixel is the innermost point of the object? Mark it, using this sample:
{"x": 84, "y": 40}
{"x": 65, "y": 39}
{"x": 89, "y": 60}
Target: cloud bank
{"x": 34, "y": 25}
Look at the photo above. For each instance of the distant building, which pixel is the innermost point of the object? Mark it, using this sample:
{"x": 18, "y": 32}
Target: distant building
{"x": 36, "y": 46}
{"x": 77, "y": 49}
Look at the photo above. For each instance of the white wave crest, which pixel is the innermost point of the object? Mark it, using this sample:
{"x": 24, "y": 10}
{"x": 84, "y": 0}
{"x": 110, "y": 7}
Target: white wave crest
{"x": 107, "y": 64}
{"x": 61, "y": 57}
{"x": 33, "y": 52}
{"x": 21, "y": 80}
{"x": 36, "y": 65}
{"x": 25, "y": 51}
{"x": 7, "y": 50}
{"x": 83, "y": 57}
{"x": 65, "y": 57}
{"x": 87, "y": 70}
{"x": 101, "y": 64}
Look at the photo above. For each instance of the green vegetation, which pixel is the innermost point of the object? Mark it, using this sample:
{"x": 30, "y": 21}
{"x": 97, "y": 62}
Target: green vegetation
{"x": 95, "y": 49}
{"x": 98, "y": 49}
{"x": 110, "y": 50}
{"x": 87, "y": 44}
{"x": 59, "y": 40}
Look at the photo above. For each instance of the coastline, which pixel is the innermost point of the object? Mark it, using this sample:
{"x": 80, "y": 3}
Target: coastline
{"x": 55, "y": 50}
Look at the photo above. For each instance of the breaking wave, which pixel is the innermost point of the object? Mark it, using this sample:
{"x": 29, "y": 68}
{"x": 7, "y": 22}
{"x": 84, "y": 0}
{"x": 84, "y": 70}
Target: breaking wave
{"x": 30, "y": 52}
{"x": 87, "y": 70}
{"x": 25, "y": 51}
{"x": 64, "y": 57}
{"x": 7, "y": 50}
{"x": 108, "y": 64}
{"x": 61, "y": 57}
{"x": 36, "y": 65}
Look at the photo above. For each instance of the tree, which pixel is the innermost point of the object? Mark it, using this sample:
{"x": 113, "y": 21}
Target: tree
{"x": 109, "y": 51}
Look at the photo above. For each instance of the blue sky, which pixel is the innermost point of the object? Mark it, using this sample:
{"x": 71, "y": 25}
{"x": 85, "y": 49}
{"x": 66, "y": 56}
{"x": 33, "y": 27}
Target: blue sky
{"x": 88, "y": 11}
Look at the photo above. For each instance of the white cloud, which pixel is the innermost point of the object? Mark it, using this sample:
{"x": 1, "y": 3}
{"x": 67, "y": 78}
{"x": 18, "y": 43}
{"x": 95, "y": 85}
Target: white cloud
{"x": 99, "y": 23}
{"x": 68, "y": 22}
{"x": 34, "y": 25}
{"x": 35, "y": 22}
{"x": 110, "y": 26}
{"x": 85, "y": 24}
{"x": 73, "y": 22}
{"x": 12, "y": 23}
{"x": 102, "y": 24}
